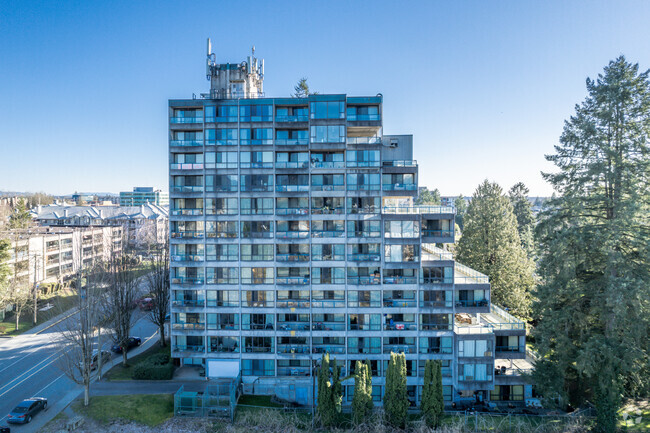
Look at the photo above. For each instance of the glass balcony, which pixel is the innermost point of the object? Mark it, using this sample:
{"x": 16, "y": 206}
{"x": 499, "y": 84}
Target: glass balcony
{"x": 292, "y": 188}
{"x": 292, "y": 211}
{"x": 218, "y": 165}
{"x": 364, "y": 281}
{"x": 297, "y": 257}
{"x": 364, "y": 257}
{"x": 221, "y": 188}
{"x": 363, "y": 164}
{"x": 186, "y": 258}
{"x": 189, "y": 325}
{"x": 400, "y": 163}
{"x": 363, "y": 117}
{"x": 256, "y": 257}
{"x": 339, "y": 350}
{"x": 328, "y": 233}
{"x": 397, "y": 348}
{"x": 187, "y": 280}
{"x": 260, "y": 188}
{"x": 437, "y": 233}
{"x": 187, "y": 212}
{"x": 364, "y": 234}
{"x": 188, "y": 348}
{"x": 364, "y": 327}
{"x": 328, "y": 326}
{"x": 365, "y": 350}
{"x": 328, "y": 211}
{"x": 223, "y": 349}
{"x": 479, "y": 303}
{"x": 188, "y": 302}
{"x": 437, "y": 280}
{"x": 255, "y": 141}
{"x": 418, "y": 210}
{"x": 186, "y": 189}
{"x": 293, "y": 348}
{"x": 297, "y": 118}
{"x": 511, "y": 349}
{"x": 329, "y": 303}
{"x": 328, "y": 164}
{"x": 186, "y": 142}
{"x": 301, "y": 164}
{"x": 336, "y": 187}
{"x": 186, "y": 120}
{"x": 291, "y": 280}
{"x": 186, "y": 166}
{"x": 293, "y": 303}
{"x": 400, "y": 280}
{"x": 364, "y": 140}
{"x": 292, "y": 234}
{"x": 398, "y": 303}
{"x": 364, "y": 187}
{"x": 224, "y": 119}
{"x": 293, "y": 326}
{"x": 401, "y": 326}
{"x": 399, "y": 187}
{"x": 292, "y": 141}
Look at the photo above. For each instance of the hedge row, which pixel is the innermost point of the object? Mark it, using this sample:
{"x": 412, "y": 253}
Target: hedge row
{"x": 156, "y": 367}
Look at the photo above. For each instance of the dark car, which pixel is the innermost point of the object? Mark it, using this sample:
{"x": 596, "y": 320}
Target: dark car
{"x": 131, "y": 343}
{"x": 25, "y": 410}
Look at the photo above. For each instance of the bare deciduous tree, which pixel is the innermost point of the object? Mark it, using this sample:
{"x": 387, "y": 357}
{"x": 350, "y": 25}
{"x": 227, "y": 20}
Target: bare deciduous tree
{"x": 158, "y": 284}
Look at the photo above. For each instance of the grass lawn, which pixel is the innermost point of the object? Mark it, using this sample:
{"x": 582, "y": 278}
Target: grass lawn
{"x": 120, "y": 373}
{"x": 638, "y": 416}
{"x": 62, "y": 300}
{"x": 151, "y": 410}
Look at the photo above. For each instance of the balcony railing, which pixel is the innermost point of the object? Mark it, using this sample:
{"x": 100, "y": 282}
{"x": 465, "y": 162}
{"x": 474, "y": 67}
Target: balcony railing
{"x": 364, "y": 234}
{"x": 328, "y": 211}
{"x": 186, "y": 119}
{"x": 327, "y": 233}
{"x": 395, "y": 303}
{"x": 259, "y": 349}
{"x": 291, "y": 234}
{"x": 256, "y": 257}
{"x": 479, "y": 303}
{"x": 364, "y": 140}
{"x": 437, "y": 280}
{"x": 261, "y": 188}
{"x": 364, "y": 281}
{"x": 224, "y": 349}
{"x": 186, "y": 189}
{"x": 399, "y": 186}
{"x": 328, "y": 326}
{"x": 397, "y": 348}
{"x": 401, "y": 326}
{"x": 186, "y": 166}
{"x": 363, "y": 117}
{"x": 364, "y": 326}
{"x": 366, "y": 350}
{"x": 292, "y": 188}
{"x": 291, "y": 141}
{"x": 438, "y": 350}
{"x": 297, "y": 118}
{"x": 512, "y": 349}
{"x": 291, "y": 280}
{"x": 340, "y": 350}
{"x": 328, "y": 164}
{"x": 292, "y": 326}
{"x": 400, "y": 280}
{"x": 364, "y": 187}
{"x": 327, "y": 303}
{"x": 293, "y": 348}
{"x": 400, "y": 163}
{"x": 187, "y": 280}
{"x": 292, "y": 211}
{"x": 188, "y": 325}
{"x": 418, "y": 210}
{"x": 188, "y": 302}
{"x": 296, "y": 257}
{"x": 187, "y": 258}
{"x": 256, "y": 235}
{"x": 191, "y": 143}
{"x": 292, "y": 164}
{"x": 293, "y": 303}
{"x": 188, "y": 348}
{"x": 187, "y": 212}
{"x": 256, "y": 165}
{"x": 360, "y": 257}
{"x": 363, "y": 164}
{"x": 437, "y": 233}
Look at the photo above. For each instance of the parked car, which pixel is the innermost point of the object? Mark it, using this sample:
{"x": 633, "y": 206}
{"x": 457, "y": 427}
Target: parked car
{"x": 26, "y": 409}
{"x": 94, "y": 361}
{"x": 131, "y": 343}
{"x": 146, "y": 304}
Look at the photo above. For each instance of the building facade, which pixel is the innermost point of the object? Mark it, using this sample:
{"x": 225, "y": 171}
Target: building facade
{"x": 293, "y": 233}
{"x": 144, "y": 195}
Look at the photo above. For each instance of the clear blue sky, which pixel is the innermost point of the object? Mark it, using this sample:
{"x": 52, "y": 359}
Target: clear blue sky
{"x": 484, "y": 86}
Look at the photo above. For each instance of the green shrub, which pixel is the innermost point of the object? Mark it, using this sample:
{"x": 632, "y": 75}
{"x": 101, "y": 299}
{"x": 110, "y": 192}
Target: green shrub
{"x": 146, "y": 370}
{"x": 159, "y": 359}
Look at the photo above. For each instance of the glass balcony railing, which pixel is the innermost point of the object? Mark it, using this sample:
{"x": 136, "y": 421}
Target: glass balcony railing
{"x": 291, "y": 141}
{"x": 188, "y": 348}
{"x": 188, "y": 325}
{"x": 363, "y": 164}
{"x": 328, "y": 326}
{"x": 188, "y": 302}
{"x": 327, "y": 303}
{"x": 366, "y": 350}
{"x": 186, "y": 166}
{"x": 398, "y": 303}
{"x": 292, "y": 211}
{"x": 223, "y": 349}
{"x": 223, "y": 119}
{"x": 397, "y": 348}
{"x": 364, "y": 234}
{"x": 256, "y": 257}
{"x": 186, "y": 189}
{"x": 296, "y": 257}
{"x": 291, "y": 280}
{"x": 293, "y": 326}
{"x": 297, "y": 118}
{"x": 364, "y": 327}
{"x": 392, "y": 210}
{"x": 291, "y": 164}
{"x": 400, "y": 280}
{"x": 186, "y": 143}
{"x": 437, "y": 350}
{"x": 339, "y": 350}
{"x": 399, "y": 187}
{"x": 187, "y": 280}
{"x": 364, "y": 281}
{"x": 400, "y": 163}
{"x": 364, "y": 140}
{"x": 186, "y": 258}
{"x": 221, "y": 188}
{"x": 293, "y": 303}
{"x": 511, "y": 349}
{"x": 221, "y": 258}
{"x": 187, "y": 212}
{"x": 364, "y": 187}
{"x": 328, "y": 211}
{"x": 293, "y": 371}
{"x": 215, "y": 280}
{"x": 260, "y": 188}
{"x": 292, "y": 234}
{"x": 401, "y": 326}
{"x": 292, "y": 188}
{"x": 437, "y": 233}
{"x": 437, "y": 280}
{"x": 335, "y": 187}
{"x": 328, "y": 164}
{"x": 186, "y": 119}
{"x": 363, "y": 117}
{"x": 364, "y": 257}
{"x": 293, "y": 348}
{"x": 328, "y": 233}
{"x": 465, "y": 303}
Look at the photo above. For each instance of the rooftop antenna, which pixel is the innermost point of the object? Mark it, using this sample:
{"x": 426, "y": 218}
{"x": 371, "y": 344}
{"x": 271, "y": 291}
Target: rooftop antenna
{"x": 210, "y": 61}
{"x": 253, "y": 49}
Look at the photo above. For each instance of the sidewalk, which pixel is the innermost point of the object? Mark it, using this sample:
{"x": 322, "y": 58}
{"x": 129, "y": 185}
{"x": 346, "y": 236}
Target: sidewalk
{"x": 54, "y": 408}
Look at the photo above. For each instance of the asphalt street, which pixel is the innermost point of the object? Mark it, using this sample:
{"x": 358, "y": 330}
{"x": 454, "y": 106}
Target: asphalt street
{"x": 30, "y": 365}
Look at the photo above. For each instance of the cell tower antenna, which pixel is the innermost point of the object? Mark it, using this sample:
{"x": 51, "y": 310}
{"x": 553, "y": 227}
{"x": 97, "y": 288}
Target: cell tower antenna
{"x": 253, "y": 49}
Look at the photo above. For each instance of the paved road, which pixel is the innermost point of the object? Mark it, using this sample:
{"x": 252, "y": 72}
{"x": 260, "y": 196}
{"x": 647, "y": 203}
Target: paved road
{"x": 30, "y": 366}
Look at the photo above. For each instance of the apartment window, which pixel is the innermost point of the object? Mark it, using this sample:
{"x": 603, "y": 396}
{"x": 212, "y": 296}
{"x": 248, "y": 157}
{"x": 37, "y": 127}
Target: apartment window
{"x": 258, "y": 298}
{"x": 224, "y": 344}
{"x": 328, "y": 276}
{"x": 364, "y": 345}
{"x": 327, "y": 134}
{"x": 435, "y": 322}
{"x": 258, "y": 344}
{"x": 398, "y": 182}
{"x": 292, "y": 252}
{"x": 258, "y": 367}
{"x": 210, "y": 113}
{"x": 364, "y": 112}
{"x": 363, "y": 205}
{"x": 363, "y": 182}
{"x": 292, "y": 205}
{"x": 224, "y": 321}
{"x": 222, "y": 275}
{"x": 327, "y": 110}
{"x": 363, "y": 158}
{"x": 367, "y": 229}
{"x": 475, "y": 372}
{"x": 256, "y": 136}
{"x": 327, "y": 206}
{"x": 401, "y": 253}
{"x": 364, "y": 298}
{"x": 507, "y": 393}
{"x": 256, "y": 113}
{"x": 256, "y": 206}
{"x": 222, "y": 252}
{"x": 221, "y": 206}
{"x": 321, "y": 252}
{"x": 291, "y": 160}
{"x": 446, "y": 367}
{"x": 227, "y": 113}
{"x": 256, "y": 182}
{"x": 221, "y": 183}
{"x": 221, "y": 229}
{"x": 226, "y": 136}
{"x": 258, "y": 322}
{"x": 439, "y": 345}
{"x": 222, "y": 298}
{"x": 401, "y": 229}
{"x": 257, "y": 229}
{"x": 257, "y": 275}
{"x": 221, "y": 159}
{"x": 256, "y": 252}
{"x": 256, "y": 160}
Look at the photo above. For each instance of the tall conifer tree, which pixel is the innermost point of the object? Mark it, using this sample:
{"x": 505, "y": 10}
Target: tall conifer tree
{"x": 593, "y": 306}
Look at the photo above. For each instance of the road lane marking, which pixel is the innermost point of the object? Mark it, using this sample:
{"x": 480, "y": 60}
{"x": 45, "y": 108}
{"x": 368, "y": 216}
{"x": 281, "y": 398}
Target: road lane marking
{"x": 46, "y": 365}
{"x": 46, "y": 386}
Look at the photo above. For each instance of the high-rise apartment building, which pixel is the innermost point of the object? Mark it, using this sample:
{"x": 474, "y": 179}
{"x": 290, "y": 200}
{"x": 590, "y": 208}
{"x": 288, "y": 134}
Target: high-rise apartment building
{"x": 293, "y": 233}
{"x": 144, "y": 195}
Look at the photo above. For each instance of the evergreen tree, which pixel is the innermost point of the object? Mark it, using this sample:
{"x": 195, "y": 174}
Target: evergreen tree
{"x": 432, "y": 403}
{"x": 593, "y": 306}
{"x": 5, "y": 272}
{"x": 330, "y": 395}
{"x": 20, "y": 218}
{"x": 523, "y": 210}
{"x": 360, "y": 407}
{"x": 490, "y": 244}
{"x": 461, "y": 208}
{"x": 426, "y": 197}
{"x": 396, "y": 402}
{"x": 301, "y": 90}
